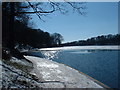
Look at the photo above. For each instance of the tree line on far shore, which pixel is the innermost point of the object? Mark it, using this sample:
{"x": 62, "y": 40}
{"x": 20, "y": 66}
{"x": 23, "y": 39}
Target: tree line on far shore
{"x": 99, "y": 40}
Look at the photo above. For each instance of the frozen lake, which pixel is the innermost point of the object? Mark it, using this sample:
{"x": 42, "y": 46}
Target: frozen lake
{"x": 99, "y": 62}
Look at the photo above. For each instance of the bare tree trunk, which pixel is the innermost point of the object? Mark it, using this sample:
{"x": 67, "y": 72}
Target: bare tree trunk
{"x": 11, "y": 26}
{"x": 11, "y": 44}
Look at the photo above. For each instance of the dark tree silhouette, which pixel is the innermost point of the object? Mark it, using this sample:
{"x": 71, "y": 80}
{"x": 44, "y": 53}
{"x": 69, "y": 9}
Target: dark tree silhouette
{"x": 8, "y": 19}
{"x": 11, "y": 25}
{"x": 57, "y": 38}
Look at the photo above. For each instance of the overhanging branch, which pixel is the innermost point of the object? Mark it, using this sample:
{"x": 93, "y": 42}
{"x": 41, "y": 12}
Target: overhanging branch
{"x": 35, "y": 11}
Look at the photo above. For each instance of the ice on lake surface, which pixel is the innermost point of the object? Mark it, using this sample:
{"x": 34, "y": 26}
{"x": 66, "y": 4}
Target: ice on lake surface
{"x": 83, "y": 47}
{"x": 80, "y": 52}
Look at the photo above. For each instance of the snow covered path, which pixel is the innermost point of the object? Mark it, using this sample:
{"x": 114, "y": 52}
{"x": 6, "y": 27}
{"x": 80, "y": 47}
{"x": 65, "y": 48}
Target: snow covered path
{"x": 55, "y": 75}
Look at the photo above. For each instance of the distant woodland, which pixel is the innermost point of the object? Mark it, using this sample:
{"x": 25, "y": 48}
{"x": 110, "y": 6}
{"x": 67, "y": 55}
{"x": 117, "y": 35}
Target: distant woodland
{"x": 99, "y": 40}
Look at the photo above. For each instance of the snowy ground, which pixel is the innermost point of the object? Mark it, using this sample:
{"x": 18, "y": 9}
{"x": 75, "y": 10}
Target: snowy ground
{"x": 55, "y": 75}
{"x": 15, "y": 74}
{"x": 84, "y": 47}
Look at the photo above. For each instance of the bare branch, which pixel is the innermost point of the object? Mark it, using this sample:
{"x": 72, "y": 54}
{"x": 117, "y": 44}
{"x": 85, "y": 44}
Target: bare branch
{"x": 33, "y": 12}
{"x": 40, "y": 9}
{"x": 59, "y": 7}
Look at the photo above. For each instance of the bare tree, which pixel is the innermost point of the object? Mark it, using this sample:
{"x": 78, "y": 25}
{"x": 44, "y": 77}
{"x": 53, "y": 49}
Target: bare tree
{"x": 57, "y": 38}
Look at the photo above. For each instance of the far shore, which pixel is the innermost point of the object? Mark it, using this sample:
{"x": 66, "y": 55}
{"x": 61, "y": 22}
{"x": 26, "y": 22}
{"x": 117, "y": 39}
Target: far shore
{"x": 103, "y": 47}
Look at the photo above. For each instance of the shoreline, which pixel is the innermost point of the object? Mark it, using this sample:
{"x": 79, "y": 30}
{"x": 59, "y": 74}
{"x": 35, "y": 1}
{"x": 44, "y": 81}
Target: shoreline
{"x": 53, "y": 71}
{"x": 93, "y": 79}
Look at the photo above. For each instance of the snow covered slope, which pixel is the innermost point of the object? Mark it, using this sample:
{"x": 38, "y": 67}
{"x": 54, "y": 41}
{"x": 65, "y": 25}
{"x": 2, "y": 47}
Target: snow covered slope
{"x": 55, "y": 75}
